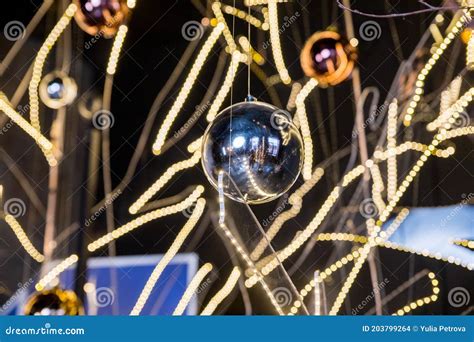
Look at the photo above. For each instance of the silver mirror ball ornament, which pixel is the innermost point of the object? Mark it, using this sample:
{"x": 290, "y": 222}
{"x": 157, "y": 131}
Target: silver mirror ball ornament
{"x": 258, "y": 145}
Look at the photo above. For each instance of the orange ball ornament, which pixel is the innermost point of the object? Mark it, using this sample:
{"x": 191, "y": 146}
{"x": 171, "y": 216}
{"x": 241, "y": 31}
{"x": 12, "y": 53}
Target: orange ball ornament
{"x": 328, "y": 57}
{"x": 101, "y": 17}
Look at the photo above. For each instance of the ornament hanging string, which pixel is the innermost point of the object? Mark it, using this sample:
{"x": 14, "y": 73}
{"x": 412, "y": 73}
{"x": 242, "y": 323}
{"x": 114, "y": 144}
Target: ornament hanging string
{"x": 249, "y": 53}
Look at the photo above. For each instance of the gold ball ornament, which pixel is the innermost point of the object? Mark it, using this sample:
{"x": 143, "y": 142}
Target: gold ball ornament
{"x": 54, "y": 302}
{"x": 101, "y": 17}
{"x": 328, "y": 57}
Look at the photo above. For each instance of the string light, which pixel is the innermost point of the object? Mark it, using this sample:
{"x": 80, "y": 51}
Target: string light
{"x": 305, "y": 129}
{"x": 191, "y": 289}
{"x": 249, "y": 50}
{"x": 276, "y": 44}
{"x": 37, "y": 73}
{"x": 377, "y": 187}
{"x": 131, "y": 3}
{"x": 451, "y": 113}
{"x": 145, "y": 218}
{"x": 428, "y": 254}
{"x": 226, "y": 86}
{"x": 228, "y": 36}
{"x": 448, "y": 97}
{"x": 391, "y": 144}
{"x": 186, "y": 89}
{"x": 42, "y": 141}
{"x": 245, "y": 16}
{"x": 238, "y": 247}
{"x": 454, "y": 109}
{"x": 464, "y": 243}
{"x": 470, "y": 53}
{"x": 294, "y": 245}
{"x": 116, "y": 49}
{"x": 163, "y": 180}
{"x": 23, "y": 238}
{"x": 373, "y": 240}
{"x": 56, "y": 271}
{"x": 420, "y": 81}
{"x": 261, "y": 2}
{"x": 223, "y": 293}
{"x": 423, "y": 301}
{"x": 296, "y": 201}
{"x": 168, "y": 256}
{"x": 349, "y": 178}
{"x": 195, "y": 145}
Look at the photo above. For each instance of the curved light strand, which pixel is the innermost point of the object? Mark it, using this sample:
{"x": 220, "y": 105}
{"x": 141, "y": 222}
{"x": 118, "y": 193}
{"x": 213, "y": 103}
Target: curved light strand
{"x": 186, "y": 89}
{"x": 191, "y": 289}
{"x": 223, "y": 293}
{"x": 168, "y": 256}
{"x": 305, "y": 129}
{"x": 145, "y": 218}
{"x": 163, "y": 180}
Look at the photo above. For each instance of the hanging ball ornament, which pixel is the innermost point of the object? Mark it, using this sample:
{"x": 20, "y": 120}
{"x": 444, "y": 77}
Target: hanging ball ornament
{"x": 57, "y": 90}
{"x": 328, "y": 57}
{"x": 54, "y": 302}
{"x": 101, "y": 17}
{"x": 258, "y": 146}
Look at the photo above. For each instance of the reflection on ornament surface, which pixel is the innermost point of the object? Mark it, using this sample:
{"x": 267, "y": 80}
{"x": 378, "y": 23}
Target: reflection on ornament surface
{"x": 57, "y": 90}
{"x": 101, "y": 17}
{"x": 54, "y": 302}
{"x": 328, "y": 57}
{"x": 258, "y": 146}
